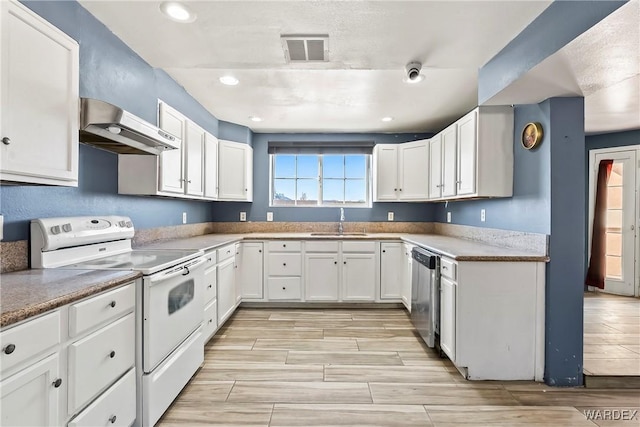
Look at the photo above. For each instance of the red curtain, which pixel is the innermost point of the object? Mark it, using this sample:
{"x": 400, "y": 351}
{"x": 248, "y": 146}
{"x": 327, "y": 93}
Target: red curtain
{"x": 597, "y": 263}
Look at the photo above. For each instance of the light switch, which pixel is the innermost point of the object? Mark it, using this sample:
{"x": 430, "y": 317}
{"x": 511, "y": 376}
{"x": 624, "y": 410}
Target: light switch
{"x": 184, "y": 217}
{"x": 448, "y": 216}
{"x": 1, "y": 227}
{"x": 269, "y": 216}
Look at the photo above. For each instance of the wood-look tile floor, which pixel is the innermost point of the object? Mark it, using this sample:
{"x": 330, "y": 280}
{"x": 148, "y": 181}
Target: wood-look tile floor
{"x": 611, "y": 335}
{"x": 361, "y": 367}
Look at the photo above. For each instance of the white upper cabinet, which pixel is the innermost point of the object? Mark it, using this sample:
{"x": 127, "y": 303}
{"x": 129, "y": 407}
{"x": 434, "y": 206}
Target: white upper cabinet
{"x": 476, "y": 155}
{"x": 435, "y": 167}
{"x": 235, "y": 171}
{"x": 401, "y": 171}
{"x": 194, "y": 161}
{"x": 172, "y": 161}
{"x": 210, "y": 166}
{"x": 39, "y": 95}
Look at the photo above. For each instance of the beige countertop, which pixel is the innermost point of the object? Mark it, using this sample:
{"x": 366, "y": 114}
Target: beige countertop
{"x": 452, "y": 247}
{"x": 27, "y": 293}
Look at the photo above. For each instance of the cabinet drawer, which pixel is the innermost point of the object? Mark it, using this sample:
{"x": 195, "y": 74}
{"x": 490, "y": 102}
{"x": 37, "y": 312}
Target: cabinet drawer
{"x": 448, "y": 268}
{"x": 285, "y": 246}
{"x": 210, "y": 284}
{"x": 285, "y": 264}
{"x": 29, "y": 339}
{"x": 284, "y": 288}
{"x": 323, "y": 246}
{"x": 97, "y": 310}
{"x": 115, "y": 407}
{"x": 226, "y": 252}
{"x": 359, "y": 246}
{"x": 211, "y": 259}
{"x": 98, "y": 359}
{"x": 210, "y": 320}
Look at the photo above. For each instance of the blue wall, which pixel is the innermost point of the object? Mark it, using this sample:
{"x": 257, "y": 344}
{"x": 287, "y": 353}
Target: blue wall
{"x": 609, "y": 140}
{"x": 235, "y": 132}
{"x": 257, "y": 211}
{"x": 111, "y": 71}
{"x": 528, "y": 209}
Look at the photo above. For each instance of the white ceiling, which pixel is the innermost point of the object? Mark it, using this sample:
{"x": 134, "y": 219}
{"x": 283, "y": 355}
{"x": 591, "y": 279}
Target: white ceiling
{"x": 370, "y": 42}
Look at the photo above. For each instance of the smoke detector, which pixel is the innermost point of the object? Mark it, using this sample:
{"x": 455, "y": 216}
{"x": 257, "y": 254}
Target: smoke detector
{"x": 305, "y": 47}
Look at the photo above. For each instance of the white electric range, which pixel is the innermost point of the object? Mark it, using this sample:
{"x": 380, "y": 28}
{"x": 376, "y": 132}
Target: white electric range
{"x": 169, "y": 302}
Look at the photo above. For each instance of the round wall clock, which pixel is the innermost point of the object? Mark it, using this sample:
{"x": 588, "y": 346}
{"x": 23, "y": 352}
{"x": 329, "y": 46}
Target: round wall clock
{"x": 531, "y": 135}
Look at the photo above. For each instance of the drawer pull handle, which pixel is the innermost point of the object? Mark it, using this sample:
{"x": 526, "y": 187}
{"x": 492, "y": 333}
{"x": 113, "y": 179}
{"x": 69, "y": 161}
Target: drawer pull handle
{"x": 112, "y": 304}
{"x": 284, "y": 264}
{"x": 9, "y": 349}
{"x": 284, "y": 245}
{"x": 345, "y": 262}
{"x": 284, "y": 288}
{"x": 112, "y": 419}
{"x": 210, "y": 320}
{"x": 57, "y": 383}
{"x": 335, "y": 262}
{"x": 384, "y": 251}
{"x": 210, "y": 286}
{"x": 444, "y": 267}
{"x": 112, "y": 354}
{"x": 209, "y": 259}
{"x": 259, "y": 251}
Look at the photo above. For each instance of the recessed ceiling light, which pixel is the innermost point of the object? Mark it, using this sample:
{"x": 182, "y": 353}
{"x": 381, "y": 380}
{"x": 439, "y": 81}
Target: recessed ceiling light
{"x": 387, "y": 119}
{"x": 229, "y": 80}
{"x": 177, "y": 12}
{"x": 255, "y": 118}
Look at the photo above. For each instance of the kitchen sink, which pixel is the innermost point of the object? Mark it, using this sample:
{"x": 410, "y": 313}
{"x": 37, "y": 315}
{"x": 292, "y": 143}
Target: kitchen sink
{"x": 333, "y": 233}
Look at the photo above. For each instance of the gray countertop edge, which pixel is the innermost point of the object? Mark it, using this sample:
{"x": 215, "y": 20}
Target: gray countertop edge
{"x": 32, "y": 310}
{"x": 472, "y": 252}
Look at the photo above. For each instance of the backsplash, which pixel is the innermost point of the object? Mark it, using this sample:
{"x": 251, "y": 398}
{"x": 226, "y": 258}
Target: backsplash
{"x": 303, "y": 227}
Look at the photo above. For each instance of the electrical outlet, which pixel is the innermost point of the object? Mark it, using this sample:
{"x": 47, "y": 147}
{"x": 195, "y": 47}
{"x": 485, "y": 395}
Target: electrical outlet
{"x": 1, "y": 227}
{"x": 243, "y": 216}
{"x": 482, "y": 215}
{"x": 269, "y": 216}
{"x": 184, "y": 217}
{"x": 448, "y": 216}
{"x": 389, "y": 216}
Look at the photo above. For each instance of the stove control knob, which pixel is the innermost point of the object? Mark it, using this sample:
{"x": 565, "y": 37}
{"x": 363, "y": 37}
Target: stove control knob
{"x": 66, "y": 227}
{"x": 122, "y": 223}
{"x": 55, "y": 229}
{"x": 94, "y": 221}
{"x": 129, "y": 224}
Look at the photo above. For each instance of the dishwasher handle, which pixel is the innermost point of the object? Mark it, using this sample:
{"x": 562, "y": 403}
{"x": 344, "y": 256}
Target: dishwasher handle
{"x": 424, "y": 257}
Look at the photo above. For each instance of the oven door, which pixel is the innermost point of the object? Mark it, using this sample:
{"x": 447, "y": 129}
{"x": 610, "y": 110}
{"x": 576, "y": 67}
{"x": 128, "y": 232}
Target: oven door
{"x": 173, "y": 307}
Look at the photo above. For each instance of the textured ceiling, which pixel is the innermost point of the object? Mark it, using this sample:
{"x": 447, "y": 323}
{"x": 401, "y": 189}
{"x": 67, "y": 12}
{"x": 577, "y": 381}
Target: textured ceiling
{"x": 370, "y": 42}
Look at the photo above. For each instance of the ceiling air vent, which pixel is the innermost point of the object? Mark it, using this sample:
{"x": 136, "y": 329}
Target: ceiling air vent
{"x": 305, "y": 48}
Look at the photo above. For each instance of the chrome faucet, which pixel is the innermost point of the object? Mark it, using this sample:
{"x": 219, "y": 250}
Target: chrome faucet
{"x": 341, "y": 225}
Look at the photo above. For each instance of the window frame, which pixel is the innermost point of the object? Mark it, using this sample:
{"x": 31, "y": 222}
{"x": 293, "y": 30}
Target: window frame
{"x": 368, "y": 178}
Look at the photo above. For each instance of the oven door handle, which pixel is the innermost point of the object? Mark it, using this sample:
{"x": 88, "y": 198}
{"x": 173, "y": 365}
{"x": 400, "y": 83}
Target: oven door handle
{"x": 183, "y": 270}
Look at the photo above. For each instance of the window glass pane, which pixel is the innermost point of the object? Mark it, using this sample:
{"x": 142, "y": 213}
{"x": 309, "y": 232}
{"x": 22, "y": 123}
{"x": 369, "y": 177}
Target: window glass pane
{"x": 356, "y": 166}
{"x": 333, "y": 191}
{"x": 333, "y": 166}
{"x": 614, "y": 244}
{"x": 614, "y": 198}
{"x": 307, "y": 192}
{"x": 614, "y": 267}
{"x": 308, "y": 167}
{"x": 616, "y": 174}
{"x": 284, "y": 192}
{"x": 614, "y": 220}
{"x": 284, "y": 166}
{"x": 355, "y": 191}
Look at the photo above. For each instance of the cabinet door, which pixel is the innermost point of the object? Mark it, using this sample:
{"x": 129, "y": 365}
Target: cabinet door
{"x": 407, "y": 272}
{"x": 232, "y": 171}
{"x": 30, "y": 397}
{"x": 448, "y": 317}
{"x": 39, "y": 94}
{"x": 467, "y": 143}
{"x": 171, "y": 161}
{"x": 435, "y": 167}
{"x": 248, "y": 179}
{"x": 226, "y": 290}
{"x": 385, "y": 172}
{"x": 321, "y": 277}
{"x": 210, "y": 166}
{"x": 249, "y": 263}
{"x": 359, "y": 277}
{"x": 449, "y": 153}
{"x": 195, "y": 159}
{"x": 414, "y": 170}
{"x": 391, "y": 270}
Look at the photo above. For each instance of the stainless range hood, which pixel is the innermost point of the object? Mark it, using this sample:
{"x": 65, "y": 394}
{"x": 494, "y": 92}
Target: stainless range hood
{"x": 114, "y": 129}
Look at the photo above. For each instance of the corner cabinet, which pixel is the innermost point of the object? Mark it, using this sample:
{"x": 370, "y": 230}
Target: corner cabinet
{"x": 235, "y": 171}
{"x": 473, "y": 157}
{"x": 401, "y": 171}
{"x": 39, "y": 92}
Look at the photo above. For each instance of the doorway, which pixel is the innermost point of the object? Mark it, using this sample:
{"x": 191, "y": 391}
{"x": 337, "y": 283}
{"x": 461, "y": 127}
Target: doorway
{"x": 612, "y": 314}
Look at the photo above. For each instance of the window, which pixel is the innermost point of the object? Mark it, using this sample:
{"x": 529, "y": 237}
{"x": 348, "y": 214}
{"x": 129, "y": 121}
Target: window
{"x": 320, "y": 180}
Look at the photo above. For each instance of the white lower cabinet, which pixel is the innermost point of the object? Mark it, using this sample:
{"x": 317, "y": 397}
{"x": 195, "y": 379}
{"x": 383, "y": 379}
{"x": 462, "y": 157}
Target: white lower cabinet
{"x": 210, "y": 324}
{"x": 359, "y": 277}
{"x": 407, "y": 275}
{"x": 448, "y": 317}
{"x": 115, "y": 407}
{"x": 249, "y": 270}
{"x": 391, "y": 270}
{"x": 226, "y": 289}
{"x": 31, "y": 397}
{"x": 321, "y": 276}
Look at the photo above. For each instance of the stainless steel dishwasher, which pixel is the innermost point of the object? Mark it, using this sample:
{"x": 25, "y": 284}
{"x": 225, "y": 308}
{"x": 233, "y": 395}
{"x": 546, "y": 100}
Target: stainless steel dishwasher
{"x": 425, "y": 295}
